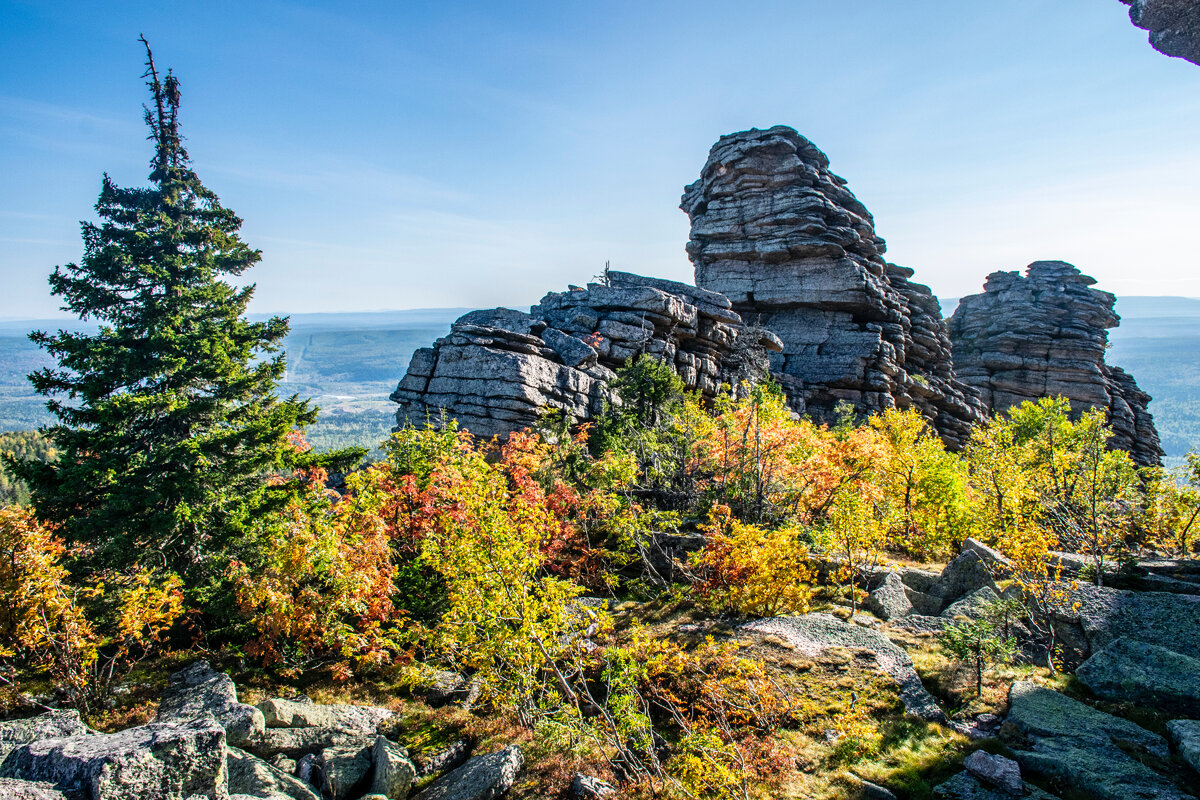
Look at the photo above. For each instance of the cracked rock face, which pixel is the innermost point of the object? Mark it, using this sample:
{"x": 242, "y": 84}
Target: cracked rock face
{"x": 796, "y": 252}
{"x": 497, "y": 368}
{"x": 1174, "y": 25}
{"x": 1044, "y": 333}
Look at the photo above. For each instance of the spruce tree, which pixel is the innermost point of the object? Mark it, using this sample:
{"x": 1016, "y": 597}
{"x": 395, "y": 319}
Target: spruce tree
{"x": 167, "y": 416}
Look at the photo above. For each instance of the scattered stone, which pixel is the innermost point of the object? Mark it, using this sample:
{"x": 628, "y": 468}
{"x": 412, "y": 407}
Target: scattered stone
{"x": 965, "y": 786}
{"x": 998, "y": 771}
{"x": 306, "y": 768}
{"x": 920, "y": 623}
{"x": 444, "y": 688}
{"x": 918, "y": 580}
{"x": 11, "y": 789}
{"x": 1174, "y": 26}
{"x": 1145, "y": 674}
{"x": 889, "y": 601}
{"x": 344, "y": 771}
{"x": 1094, "y": 616}
{"x": 446, "y": 759}
{"x": 924, "y": 604}
{"x": 1067, "y": 741}
{"x": 965, "y": 574}
{"x": 165, "y": 761}
{"x": 199, "y": 689}
{"x": 1185, "y": 733}
{"x": 586, "y": 787}
{"x": 973, "y": 605}
{"x": 481, "y": 778}
{"x": 297, "y": 742}
{"x": 283, "y": 764}
{"x": 250, "y": 775}
{"x": 394, "y": 773}
{"x": 280, "y": 713}
{"x": 873, "y": 791}
{"x": 997, "y": 562}
{"x": 51, "y": 725}
{"x": 813, "y": 633}
{"x": 1045, "y": 333}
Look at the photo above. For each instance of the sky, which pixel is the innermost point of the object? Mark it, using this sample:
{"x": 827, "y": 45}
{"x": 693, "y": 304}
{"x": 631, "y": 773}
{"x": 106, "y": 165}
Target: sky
{"x": 414, "y": 154}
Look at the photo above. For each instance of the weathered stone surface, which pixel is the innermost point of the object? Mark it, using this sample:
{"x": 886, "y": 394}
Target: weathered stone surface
{"x": 250, "y": 775}
{"x": 998, "y": 771}
{"x": 973, "y": 605}
{"x": 280, "y": 713}
{"x": 1094, "y": 616}
{"x": 1174, "y": 25}
{"x": 11, "y": 789}
{"x": 996, "y": 561}
{"x": 1075, "y": 745}
{"x": 1145, "y": 674}
{"x": 919, "y": 580}
{"x": 890, "y": 600}
{"x": 586, "y": 787}
{"x": 394, "y": 773}
{"x": 780, "y": 235}
{"x": 51, "y": 725}
{"x": 199, "y": 689}
{"x": 920, "y": 623}
{"x": 1185, "y": 733}
{"x": 481, "y": 778}
{"x": 924, "y": 604}
{"x": 1045, "y": 333}
{"x": 496, "y": 369}
{"x": 445, "y": 759}
{"x": 298, "y": 742}
{"x": 344, "y": 771}
{"x": 166, "y": 761}
{"x": 965, "y": 786}
{"x": 812, "y": 633}
{"x": 965, "y": 574}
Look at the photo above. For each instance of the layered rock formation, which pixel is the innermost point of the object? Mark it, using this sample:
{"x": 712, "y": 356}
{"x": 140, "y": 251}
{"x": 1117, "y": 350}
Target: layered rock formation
{"x": 1043, "y": 334}
{"x": 497, "y": 369}
{"x": 796, "y": 252}
{"x": 1174, "y": 25}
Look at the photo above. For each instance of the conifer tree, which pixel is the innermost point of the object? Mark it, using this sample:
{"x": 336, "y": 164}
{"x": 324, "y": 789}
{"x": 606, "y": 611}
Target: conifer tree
{"x": 167, "y": 416}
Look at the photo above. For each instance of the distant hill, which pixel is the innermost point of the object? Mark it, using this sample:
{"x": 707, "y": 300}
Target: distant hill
{"x": 350, "y": 362}
{"x": 347, "y": 362}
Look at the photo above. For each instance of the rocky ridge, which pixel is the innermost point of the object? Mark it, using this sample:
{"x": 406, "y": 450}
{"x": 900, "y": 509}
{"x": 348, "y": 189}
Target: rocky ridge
{"x": 1174, "y": 25}
{"x": 498, "y": 368}
{"x": 1044, "y": 333}
{"x": 797, "y": 253}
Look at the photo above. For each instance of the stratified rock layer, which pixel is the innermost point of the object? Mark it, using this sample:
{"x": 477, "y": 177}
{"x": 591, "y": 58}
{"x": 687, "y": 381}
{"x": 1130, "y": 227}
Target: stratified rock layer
{"x": 498, "y": 368}
{"x": 1043, "y": 334}
{"x": 1174, "y": 25}
{"x": 796, "y": 252}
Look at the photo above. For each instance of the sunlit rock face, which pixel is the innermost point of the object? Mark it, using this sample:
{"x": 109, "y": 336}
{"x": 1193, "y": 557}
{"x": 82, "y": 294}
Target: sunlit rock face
{"x": 1044, "y": 333}
{"x": 498, "y": 368}
{"x": 1174, "y": 25}
{"x": 796, "y": 252}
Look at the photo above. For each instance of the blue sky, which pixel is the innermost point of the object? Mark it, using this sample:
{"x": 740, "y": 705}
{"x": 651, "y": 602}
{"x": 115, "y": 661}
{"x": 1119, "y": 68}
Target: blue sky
{"x": 413, "y": 154}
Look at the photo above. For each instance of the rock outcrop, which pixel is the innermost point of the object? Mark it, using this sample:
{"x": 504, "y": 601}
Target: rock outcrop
{"x": 1042, "y": 334}
{"x": 797, "y": 253}
{"x": 498, "y": 368}
{"x": 1174, "y": 25}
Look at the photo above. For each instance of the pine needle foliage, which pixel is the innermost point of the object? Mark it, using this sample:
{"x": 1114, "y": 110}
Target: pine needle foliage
{"x": 167, "y": 415}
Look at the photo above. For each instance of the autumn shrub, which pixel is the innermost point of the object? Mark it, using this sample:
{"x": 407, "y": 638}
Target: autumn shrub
{"x": 45, "y": 624}
{"x": 316, "y": 585}
{"x": 754, "y": 570}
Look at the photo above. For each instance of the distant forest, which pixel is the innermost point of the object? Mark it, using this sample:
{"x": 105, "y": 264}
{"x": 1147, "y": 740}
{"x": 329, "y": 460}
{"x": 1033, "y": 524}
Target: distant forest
{"x": 350, "y": 363}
